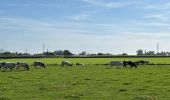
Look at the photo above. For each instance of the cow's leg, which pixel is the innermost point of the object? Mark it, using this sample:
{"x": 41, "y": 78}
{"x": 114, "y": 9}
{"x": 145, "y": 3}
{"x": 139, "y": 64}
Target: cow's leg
{"x": 2, "y": 68}
{"x": 118, "y": 66}
{"x": 131, "y": 65}
{"x": 11, "y": 68}
{"x": 25, "y": 68}
{"x": 35, "y": 66}
{"x": 17, "y": 68}
{"x": 6, "y": 68}
{"x": 134, "y": 65}
{"x": 124, "y": 65}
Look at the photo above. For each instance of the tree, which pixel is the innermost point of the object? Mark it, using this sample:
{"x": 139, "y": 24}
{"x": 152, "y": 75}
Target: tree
{"x": 67, "y": 52}
{"x": 150, "y": 53}
{"x": 100, "y": 54}
{"x": 49, "y": 53}
{"x": 7, "y": 53}
{"x": 124, "y": 54}
{"x": 139, "y": 52}
{"x": 83, "y": 53}
{"x": 59, "y": 52}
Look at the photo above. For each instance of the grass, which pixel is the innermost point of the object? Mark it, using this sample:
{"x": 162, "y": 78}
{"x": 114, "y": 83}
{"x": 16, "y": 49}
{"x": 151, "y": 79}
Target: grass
{"x": 155, "y": 60}
{"x": 88, "y": 82}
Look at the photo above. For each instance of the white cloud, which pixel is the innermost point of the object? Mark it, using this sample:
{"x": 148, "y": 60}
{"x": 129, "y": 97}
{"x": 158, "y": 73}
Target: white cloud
{"x": 33, "y": 4}
{"x": 163, "y": 6}
{"x": 159, "y": 17}
{"x": 83, "y": 16}
{"x": 108, "y": 5}
{"x": 79, "y": 17}
{"x": 31, "y": 34}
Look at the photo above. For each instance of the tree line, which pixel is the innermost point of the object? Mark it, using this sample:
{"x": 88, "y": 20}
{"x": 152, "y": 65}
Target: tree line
{"x": 139, "y": 52}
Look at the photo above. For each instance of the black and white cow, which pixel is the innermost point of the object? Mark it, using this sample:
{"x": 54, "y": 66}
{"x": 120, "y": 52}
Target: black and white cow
{"x": 22, "y": 64}
{"x": 0, "y": 65}
{"x": 8, "y": 65}
{"x": 143, "y": 62}
{"x": 66, "y": 63}
{"x": 131, "y": 63}
{"x": 39, "y": 64}
{"x": 116, "y": 63}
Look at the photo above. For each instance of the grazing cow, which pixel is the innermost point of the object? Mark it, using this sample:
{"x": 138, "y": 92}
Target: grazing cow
{"x": 79, "y": 64}
{"x": 8, "y": 65}
{"x": 21, "y": 64}
{"x": 0, "y": 65}
{"x": 39, "y": 64}
{"x": 131, "y": 63}
{"x": 66, "y": 63}
{"x": 143, "y": 62}
{"x": 116, "y": 63}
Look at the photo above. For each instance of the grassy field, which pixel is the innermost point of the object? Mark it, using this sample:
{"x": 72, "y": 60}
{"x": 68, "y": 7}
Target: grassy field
{"x": 47, "y": 61}
{"x": 86, "y": 82}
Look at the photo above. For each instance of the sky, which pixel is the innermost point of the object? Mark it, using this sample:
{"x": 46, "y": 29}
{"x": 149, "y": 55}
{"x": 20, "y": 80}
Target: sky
{"x": 107, "y": 26}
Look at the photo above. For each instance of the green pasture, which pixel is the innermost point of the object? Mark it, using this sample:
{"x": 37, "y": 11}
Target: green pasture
{"x": 89, "y": 82}
{"x": 47, "y": 61}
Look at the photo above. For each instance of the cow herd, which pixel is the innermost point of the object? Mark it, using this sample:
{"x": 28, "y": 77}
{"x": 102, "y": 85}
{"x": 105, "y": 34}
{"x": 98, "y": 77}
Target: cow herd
{"x": 125, "y": 63}
{"x": 11, "y": 65}
{"x": 39, "y": 64}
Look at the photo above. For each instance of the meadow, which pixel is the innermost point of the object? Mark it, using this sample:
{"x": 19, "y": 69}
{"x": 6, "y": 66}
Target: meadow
{"x": 89, "y": 82}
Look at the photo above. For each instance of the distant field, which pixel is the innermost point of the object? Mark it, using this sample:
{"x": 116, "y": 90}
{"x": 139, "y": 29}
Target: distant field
{"x": 87, "y": 82}
{"x": 86, "y": 60}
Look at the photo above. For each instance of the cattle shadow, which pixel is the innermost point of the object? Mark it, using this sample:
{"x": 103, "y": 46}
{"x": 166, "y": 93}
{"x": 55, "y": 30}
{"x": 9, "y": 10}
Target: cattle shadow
{"x": 74, "y": 96}
{"x": 12, "y": 77}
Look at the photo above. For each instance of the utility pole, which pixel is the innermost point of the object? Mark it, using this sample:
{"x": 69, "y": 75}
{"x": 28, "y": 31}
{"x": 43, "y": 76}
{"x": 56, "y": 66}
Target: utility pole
{"x": 43, "y": 48}
{"x": 26, "y": 51}
{"x": 157, "y": 47}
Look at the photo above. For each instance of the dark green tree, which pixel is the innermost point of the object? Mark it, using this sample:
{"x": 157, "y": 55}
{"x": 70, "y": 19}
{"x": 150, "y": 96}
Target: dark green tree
{"x": 67, "y": 52}
{"x": 139, "y": 52}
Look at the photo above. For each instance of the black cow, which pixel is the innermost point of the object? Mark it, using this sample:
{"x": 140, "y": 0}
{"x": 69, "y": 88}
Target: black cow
{"x": 39, "y": 64}
{"x": 131, "y": 63}
{"x": 143, "y": 62}
{"x": 79, "y": 64}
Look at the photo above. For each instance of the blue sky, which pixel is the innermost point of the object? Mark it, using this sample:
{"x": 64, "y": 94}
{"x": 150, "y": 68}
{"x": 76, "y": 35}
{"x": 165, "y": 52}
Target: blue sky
{"x": 113, "y": 26}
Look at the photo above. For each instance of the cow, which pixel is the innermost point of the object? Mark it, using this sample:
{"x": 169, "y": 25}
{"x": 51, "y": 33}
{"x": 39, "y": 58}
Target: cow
{"x": 79, "y": 64}
{"x": 131, "y": 63}
{"x": 116, "y": 63}
{"x": 39, "y": 64}
{"x": 22, "y": 64}
{"x": 8, "y": 65}
{"x": 0, "y": 65}
{"x": 66, "y": 63}
{"x": 143, "y": 62}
